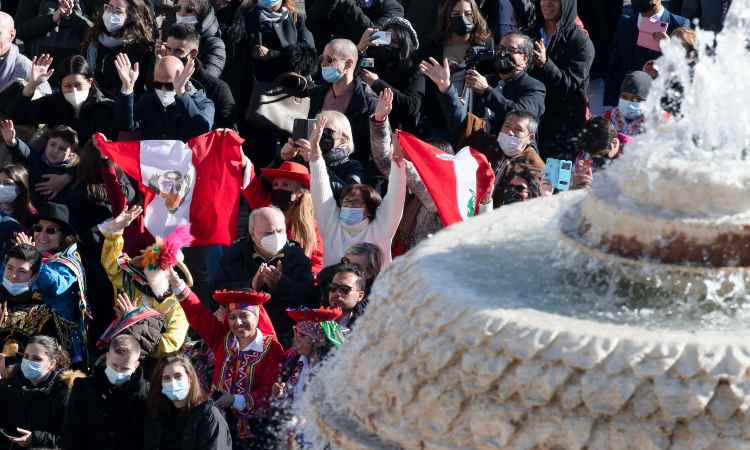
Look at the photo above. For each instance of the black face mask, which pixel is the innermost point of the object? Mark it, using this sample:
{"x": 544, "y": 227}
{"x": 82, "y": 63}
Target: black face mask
{"x": 326, "y": 141}
{"x": 462, "y": 25}
{"x": 281, "y": 199}
{"x": 504, "y": 65}
{"x": 641, "y": 6}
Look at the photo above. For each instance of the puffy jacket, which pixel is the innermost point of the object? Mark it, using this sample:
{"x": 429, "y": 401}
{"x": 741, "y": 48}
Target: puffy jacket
{"x": 212, "y": 52}
{"x": 203, "y": 428}
{"x": 39, "y": 408}
{"x": 101, "y": 415}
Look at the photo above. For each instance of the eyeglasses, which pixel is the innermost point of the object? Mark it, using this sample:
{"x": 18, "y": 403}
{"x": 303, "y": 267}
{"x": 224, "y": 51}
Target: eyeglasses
{"x": 43, "y": 229}
{"x": 341, "y": 288}
{"x": 166, "y": 86}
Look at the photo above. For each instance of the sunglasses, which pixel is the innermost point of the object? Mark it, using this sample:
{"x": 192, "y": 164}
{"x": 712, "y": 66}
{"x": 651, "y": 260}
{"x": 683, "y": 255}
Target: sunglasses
{"x": 43, "y": 229}
{"x": 166, "y": 86}
{"x": 341, "y": 288}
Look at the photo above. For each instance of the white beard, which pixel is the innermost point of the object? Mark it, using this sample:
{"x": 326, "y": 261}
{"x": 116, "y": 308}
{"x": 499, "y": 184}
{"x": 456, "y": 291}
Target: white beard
{"x": 158, "y": 281}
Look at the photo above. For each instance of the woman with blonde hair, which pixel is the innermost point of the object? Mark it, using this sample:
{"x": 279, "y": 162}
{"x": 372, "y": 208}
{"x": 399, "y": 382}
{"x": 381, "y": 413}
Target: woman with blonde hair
{"x": 336, "y": 146}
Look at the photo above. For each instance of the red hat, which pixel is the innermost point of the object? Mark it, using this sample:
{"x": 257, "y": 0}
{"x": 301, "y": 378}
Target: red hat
{"x": 291, "y": 170}
{"x": 314, "y": 315}
{"x": 241, "y": 299}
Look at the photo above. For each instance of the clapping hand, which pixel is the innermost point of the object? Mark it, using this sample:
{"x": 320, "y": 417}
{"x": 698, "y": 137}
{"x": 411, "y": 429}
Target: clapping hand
{"x": 183, "y": 76}
{"x": 64, "y": 9}
{"x": 439, "y": 74}
{"x": 385, "y": 105}
{"x": 127, "y": 72}
{"x": 273, "y": 275}
{"x": 8, "y": 131}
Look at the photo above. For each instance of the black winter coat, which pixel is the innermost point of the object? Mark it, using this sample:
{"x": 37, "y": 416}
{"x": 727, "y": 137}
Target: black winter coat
{"x": 105, "y": 73}
{"x": 570, "y": 55}
{"x": 40, "y": 34}
{"x": 329, "y": 19}
{"x": 361, "y": 107}
{"x": 95, "y": 115}
{"x": 219, "y": 92}
{"x": 212, "y": 52}
{"x": 408, "y": 86}
{"x": 39, "y": 408}
{"x": 103, "y": 416}
{"x": 202, "y": 428}
{"x": 239, "y": 265}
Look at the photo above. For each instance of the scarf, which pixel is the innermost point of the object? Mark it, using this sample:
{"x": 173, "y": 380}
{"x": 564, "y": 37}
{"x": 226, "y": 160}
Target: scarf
{"x": 8, "y": 66}
{"x": 267, "y": 16}
{"x": 109, "y": 41}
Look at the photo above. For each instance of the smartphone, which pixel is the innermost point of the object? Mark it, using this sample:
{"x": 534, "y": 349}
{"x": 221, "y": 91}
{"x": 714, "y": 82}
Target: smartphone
{"x": 381, "y": 38}
{"x": 558, "y": 173}
{"x": 302, "y": 128}
{"x": 367, "y": 63}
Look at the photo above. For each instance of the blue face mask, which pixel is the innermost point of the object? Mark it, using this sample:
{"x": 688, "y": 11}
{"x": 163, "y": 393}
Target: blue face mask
{"x": 352, "y": 216}
{"x": 268, "y": 4}
{"x": 631, "y": 110}
{"x": 33, "y": 370}
{"x": 176, "y": 390}
{"x": 331, "y": 74}
{"x": 115, "y": 377}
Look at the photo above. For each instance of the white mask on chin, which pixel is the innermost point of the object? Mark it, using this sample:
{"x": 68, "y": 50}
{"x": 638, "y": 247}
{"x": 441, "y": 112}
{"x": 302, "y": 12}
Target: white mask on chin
{"x": 158, "y": 281}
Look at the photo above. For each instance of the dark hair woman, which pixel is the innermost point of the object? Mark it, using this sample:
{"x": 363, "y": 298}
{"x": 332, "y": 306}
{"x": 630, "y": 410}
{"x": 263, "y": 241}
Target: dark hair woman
{"x": 15, "y": 204}
{"x": 121, "y": 26}
{"x": 180, "y": 416}
{"x": 39, "y": 389}
{"x": 78, "y": 104}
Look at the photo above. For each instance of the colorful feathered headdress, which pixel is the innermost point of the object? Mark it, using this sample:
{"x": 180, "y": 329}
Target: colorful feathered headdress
{"x": 164, "y": 253}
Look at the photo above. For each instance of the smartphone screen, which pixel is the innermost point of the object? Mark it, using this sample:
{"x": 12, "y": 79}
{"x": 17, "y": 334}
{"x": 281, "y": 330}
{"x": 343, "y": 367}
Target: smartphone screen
{"x": 302, "y": 128}
{"x": 367, "y": 63}
{"x": 381, "y": 38}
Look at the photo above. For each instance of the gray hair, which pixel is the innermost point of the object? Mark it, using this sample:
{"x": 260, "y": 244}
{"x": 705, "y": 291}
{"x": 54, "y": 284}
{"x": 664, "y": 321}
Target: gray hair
{"x": 533, "y": 123}
{"x": 371, "y": 252}
{"x": 526, "y": 45}
{"x": 256, "y": 212}
{"x": 344, "y": 48}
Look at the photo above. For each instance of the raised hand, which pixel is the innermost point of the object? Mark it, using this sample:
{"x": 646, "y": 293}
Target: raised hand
{"x": 40, "y": 70}
{"x": 183, "y": 77}
{"x": 125, "y": 218}
{"x": 366, "y": 40}
{"x": 127, "y": 72}
{"x": 540, "y": 53}
{"x": 23, "y": 238}
{"x": 123, "y": 305}
{"x": 8, "y": 131}
{"x": 385, "y": 105}
{"x": 64, "y": 9}
{"x": 314, "y": 153}
{"x": 439, "y": 74}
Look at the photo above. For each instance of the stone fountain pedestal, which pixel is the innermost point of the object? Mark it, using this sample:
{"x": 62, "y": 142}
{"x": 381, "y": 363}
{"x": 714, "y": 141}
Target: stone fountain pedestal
{"x": 459, "y": 350}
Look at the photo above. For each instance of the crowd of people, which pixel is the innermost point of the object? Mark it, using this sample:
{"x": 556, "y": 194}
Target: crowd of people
{"x": 113, "y": 338}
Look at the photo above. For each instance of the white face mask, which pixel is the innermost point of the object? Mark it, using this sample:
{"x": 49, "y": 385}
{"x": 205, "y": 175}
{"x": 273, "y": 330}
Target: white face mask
{"x": 187, "y": 20}
{"x": 631, "y": 110}
{"x": 352, "y": 216}
{"x": 158, "y": 281}
{"x": 117, "y": 378}
{"x": 76, "y": 98}
{"x": 273, "y": 243}
{"x": 15, "y": 289}
{"x": 165, "y": 97}
{"x": 8, "y": 193}
{"x": 113, "y": 22}
{"x": 510, "y": 145}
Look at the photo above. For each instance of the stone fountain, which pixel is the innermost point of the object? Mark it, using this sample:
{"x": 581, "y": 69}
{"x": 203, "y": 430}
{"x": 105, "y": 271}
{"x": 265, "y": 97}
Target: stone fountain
{"x": 611, "y": 319}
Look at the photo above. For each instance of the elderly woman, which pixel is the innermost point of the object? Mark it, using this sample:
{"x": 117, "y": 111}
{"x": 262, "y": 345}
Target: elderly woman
{"x": 363, "y": 216}
{"x": 336, "y": 145}
{"x": 247, "y": 357}
{"x": 36, "y": 395}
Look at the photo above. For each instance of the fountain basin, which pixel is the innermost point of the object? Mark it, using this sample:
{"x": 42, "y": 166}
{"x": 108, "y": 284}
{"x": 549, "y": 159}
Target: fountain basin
{"x": 484, "y": 338}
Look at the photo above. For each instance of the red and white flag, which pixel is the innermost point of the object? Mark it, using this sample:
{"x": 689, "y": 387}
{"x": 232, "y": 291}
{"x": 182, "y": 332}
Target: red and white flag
{"x": 197, "y": 182}
{"x": 457, "y": 183}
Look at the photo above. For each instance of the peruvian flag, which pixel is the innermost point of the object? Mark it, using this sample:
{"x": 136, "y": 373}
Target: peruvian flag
{"x": 197, "y": 182}
{"x": 456, "y": 183}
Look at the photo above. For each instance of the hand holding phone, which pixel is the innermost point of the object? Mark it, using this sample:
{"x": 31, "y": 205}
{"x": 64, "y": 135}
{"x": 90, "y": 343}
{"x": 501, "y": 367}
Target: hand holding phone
{"x": 302, "y": 128}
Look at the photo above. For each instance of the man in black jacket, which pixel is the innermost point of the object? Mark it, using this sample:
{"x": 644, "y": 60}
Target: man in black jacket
{"x": 172, "y": 109}
{"x": 348, "y": 19}
{"x": 515, "y": 90}
{"x": 107, "y": 409}
{"x": 267, "y": 261}
{"x": 183, "y": 42}
{"x": 710, "y": 13}
{"x": 347, "y": 94}
{"x": 563, "y": 57}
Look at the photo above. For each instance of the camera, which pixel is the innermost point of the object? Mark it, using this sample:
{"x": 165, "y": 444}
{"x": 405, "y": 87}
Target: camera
{"x": 481, "y": 59}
